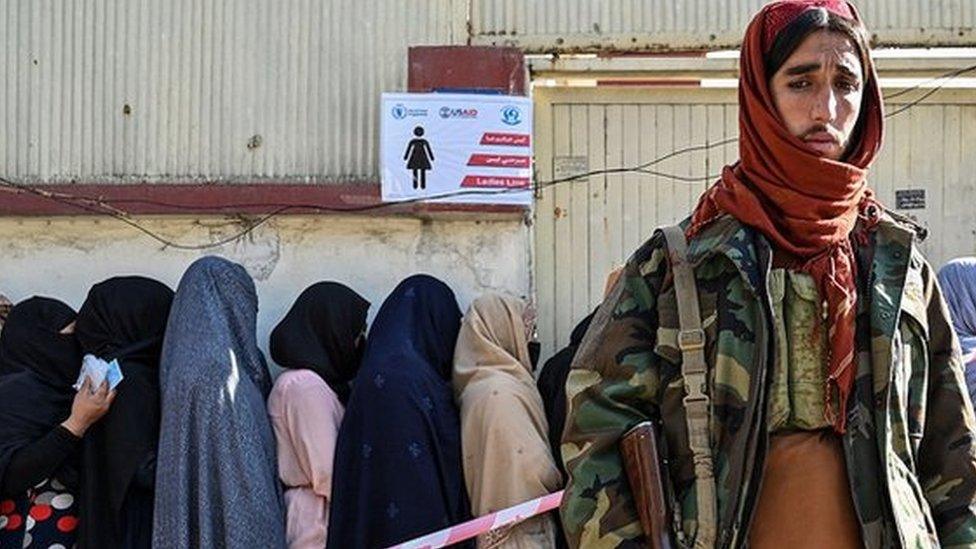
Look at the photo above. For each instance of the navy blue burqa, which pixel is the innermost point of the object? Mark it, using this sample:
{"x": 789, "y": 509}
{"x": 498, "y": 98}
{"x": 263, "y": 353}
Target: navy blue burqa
{"x": 398, "y": 457}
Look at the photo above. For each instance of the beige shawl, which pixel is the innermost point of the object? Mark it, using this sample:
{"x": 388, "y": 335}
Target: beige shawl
{"x": 503, "y": 426}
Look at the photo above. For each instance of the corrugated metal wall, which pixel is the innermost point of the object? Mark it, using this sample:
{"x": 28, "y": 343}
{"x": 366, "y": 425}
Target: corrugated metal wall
{"x": 585, "y": 228}
{"x": 177, "y": 90}
{"x": 119, "y": 90}
{"x": 587, "y": 25}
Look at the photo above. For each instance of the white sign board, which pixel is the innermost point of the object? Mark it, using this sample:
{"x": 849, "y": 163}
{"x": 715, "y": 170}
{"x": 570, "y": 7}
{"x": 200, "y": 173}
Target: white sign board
{"x": 458, "y": 148}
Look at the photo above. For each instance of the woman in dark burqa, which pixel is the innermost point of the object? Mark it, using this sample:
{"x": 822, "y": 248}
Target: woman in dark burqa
{"x": 216, "y": 472}
{"x": 123, "y": 319}
{"x": 958, "y": 280}
{"x": 552, "y": 387}
{"x": 42, "y": 421}
{"x": 552, "y": 379}
{"x": 320, "y": 343}
{"x": 399, "y": 449}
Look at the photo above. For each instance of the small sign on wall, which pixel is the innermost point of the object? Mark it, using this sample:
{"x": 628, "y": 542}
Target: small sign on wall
{"x": 570, "y": 166}
{"x": 470, "y": 148}
{"x": 910, "y": 199}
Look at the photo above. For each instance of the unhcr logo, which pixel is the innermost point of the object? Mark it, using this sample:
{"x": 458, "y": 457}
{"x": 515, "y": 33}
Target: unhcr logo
{"x": 512, "y": 115}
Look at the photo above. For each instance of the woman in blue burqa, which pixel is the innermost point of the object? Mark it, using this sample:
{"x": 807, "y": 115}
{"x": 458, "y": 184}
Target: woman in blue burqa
{"x": 399, "y": 447}
{"x": 216, "y": 472}
{"x": 958, "y": 281}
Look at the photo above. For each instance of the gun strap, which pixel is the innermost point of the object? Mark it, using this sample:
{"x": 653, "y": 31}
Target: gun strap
{"x": 694, "y": 371}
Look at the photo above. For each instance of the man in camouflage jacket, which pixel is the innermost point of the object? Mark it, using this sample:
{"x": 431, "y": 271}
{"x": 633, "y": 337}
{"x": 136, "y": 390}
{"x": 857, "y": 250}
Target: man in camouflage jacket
{"x": 909, "y": 444}
{"x": 906, "y": 431}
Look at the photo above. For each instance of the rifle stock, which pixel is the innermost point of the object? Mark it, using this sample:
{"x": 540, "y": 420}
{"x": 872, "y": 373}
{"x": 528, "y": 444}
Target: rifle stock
{"x": 638, "y": 447}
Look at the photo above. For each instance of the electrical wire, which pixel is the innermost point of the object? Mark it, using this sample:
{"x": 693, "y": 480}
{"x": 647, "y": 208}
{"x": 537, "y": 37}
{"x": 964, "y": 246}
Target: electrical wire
{"x": 102, "y": 207}
{"x": 950, "y": 75}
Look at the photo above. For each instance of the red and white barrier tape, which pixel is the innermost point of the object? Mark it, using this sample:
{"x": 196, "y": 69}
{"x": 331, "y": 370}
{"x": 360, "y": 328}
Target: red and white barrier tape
{"x": 487, "y": 523}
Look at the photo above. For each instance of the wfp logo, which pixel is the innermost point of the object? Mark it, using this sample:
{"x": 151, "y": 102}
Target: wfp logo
{"x": 511, "y": 115}
{"x": 399, "y": 111}
{"x": 448, "y": 112}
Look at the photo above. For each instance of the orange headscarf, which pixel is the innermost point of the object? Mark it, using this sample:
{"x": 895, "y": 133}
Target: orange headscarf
{"x": 805, "y": 204}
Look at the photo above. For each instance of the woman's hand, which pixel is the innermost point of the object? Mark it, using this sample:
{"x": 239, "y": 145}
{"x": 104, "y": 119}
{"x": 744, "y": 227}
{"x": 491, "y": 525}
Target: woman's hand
{"x": 88, "y": 407}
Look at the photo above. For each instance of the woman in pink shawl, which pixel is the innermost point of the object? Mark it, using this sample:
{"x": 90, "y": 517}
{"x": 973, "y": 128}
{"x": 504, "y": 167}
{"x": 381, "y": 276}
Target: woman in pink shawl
{"x": 320, "y": 342}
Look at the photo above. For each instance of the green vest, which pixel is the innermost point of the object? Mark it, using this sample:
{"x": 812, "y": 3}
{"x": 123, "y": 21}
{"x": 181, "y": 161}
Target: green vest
{"x": 798, "y": 389}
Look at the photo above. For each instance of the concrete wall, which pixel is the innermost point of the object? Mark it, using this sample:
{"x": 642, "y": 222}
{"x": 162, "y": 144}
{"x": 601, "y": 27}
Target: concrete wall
{"x": 63, "y": 257}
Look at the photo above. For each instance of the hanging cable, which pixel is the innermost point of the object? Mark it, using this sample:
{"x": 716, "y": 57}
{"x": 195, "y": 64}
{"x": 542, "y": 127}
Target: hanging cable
{"x": 102, "y": 207}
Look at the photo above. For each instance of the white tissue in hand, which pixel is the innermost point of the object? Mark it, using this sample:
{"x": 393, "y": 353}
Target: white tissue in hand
{"x": 98, "y": 371}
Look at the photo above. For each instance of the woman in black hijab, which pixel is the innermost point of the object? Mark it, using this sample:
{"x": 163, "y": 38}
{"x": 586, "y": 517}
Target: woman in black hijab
{"x": 399, "y": 449}
{"x": 325, "y": 332}
{"x": 123, "y": 319}
{"x": 552, "y": 387}
{"x": 42, "y": 420}
{"x": 320, "y": 342}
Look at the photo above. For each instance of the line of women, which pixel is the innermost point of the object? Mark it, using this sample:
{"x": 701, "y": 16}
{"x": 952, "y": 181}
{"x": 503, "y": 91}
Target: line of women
{"x": 363, "y": 441}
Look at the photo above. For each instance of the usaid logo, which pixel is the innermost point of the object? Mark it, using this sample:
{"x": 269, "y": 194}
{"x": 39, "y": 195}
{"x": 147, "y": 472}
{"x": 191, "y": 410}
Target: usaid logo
{"x": 511, "y": 115}
{"x": 449, "y": 112}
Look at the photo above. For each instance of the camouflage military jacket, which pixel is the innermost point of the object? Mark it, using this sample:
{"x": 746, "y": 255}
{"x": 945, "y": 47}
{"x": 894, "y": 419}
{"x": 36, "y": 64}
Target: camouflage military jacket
{"x": 909, "y": 444}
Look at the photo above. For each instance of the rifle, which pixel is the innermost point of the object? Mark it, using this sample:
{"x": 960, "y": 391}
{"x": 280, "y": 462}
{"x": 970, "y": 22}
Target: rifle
{"x": 638, "y": 447}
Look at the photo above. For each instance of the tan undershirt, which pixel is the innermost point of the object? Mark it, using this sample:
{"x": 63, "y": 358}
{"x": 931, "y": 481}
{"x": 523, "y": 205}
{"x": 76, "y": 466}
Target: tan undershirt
{"x": 805, "y": 500}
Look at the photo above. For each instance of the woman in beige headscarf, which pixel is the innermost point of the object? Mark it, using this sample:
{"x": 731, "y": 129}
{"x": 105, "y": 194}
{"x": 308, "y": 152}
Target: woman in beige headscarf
{"x": 503, "y": 426}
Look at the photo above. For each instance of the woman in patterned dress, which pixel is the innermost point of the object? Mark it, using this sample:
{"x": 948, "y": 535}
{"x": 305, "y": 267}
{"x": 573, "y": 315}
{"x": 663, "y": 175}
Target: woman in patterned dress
{"x": 42, "y": 422}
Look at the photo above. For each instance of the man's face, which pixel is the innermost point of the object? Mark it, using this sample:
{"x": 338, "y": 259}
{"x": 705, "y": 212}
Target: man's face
{"x": 818, "y": 90}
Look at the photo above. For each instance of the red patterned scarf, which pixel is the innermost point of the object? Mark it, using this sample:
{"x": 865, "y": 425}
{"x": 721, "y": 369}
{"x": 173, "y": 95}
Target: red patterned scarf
{"x": 805, "y": 204}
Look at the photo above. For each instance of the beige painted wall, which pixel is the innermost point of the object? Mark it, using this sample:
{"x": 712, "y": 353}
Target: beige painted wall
{"x": 63, "y": 257}
{"x": 585, "y": 228}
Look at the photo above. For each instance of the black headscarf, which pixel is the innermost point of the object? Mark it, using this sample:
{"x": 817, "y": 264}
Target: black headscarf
{"x": 398, "y": 456}
{"x": 319, "y": 333}
{"x": 41, "y": 364}
{"x": 31, "y": 340}
{"x": 123, "y": 318}
{"x": 552, "y": 387}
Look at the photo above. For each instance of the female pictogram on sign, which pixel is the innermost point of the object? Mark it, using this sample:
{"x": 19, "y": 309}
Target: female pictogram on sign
{"x": 419, "y": 155}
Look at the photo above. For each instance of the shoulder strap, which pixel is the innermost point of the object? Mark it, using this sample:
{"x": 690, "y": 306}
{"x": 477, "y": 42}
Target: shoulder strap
{"x": 691, "y": 341}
